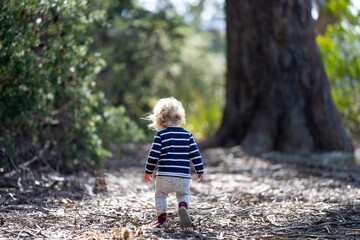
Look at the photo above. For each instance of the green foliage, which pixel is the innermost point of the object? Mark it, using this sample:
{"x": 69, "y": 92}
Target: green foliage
{"x": 337, "y": 8}
{"x": 53, "y": 110}
{"x": 165, "y": 57}
{"x": 340, "y": 50}
{"x": 50, "y": 108}
{"x": 201, "y": 81}
{"x": 138, "y": 47}
{"x": 117, "y": 128}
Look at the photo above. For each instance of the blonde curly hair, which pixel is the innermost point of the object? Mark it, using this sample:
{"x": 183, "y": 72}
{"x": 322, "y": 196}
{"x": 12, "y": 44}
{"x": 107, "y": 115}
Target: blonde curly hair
{"x": 166, "y": 112}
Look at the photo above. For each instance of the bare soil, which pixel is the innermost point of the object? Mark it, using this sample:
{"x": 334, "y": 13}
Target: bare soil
{"x": 272, "y": 196}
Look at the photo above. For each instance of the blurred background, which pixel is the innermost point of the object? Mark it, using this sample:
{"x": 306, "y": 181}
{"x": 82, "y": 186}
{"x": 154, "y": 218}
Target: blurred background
{"x": 77, "y": 76}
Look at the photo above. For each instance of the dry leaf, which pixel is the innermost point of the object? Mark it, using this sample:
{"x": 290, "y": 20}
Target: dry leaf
{"x": 2, "y": 221}
{"x": 100, "y": 185}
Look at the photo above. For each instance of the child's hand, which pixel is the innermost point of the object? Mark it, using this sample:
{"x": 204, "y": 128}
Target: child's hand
{"x": 200, "y": 177}
{"x": 147, "y": 177}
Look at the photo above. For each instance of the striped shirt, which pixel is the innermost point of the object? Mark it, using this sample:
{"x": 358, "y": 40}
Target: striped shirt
{"x": 172, "y": 150}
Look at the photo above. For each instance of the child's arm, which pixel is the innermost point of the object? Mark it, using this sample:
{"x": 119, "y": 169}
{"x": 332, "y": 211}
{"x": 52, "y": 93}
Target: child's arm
{"x": 195, "y": 157}
{"x": 147, "y": 177}
{"x": 153, "y": 158}
{"x": 200, "y": 177}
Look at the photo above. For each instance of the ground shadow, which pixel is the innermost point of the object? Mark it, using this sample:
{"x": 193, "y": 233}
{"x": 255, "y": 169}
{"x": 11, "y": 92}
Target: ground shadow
{"x": 339, "y": 166}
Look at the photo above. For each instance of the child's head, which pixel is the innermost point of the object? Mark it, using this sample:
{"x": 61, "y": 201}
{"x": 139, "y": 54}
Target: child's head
{"x": 167, "y": 112}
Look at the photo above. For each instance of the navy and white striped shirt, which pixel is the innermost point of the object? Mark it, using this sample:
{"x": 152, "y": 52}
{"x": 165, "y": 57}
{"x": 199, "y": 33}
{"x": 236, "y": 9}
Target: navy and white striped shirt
{"x": 171, "y": 151}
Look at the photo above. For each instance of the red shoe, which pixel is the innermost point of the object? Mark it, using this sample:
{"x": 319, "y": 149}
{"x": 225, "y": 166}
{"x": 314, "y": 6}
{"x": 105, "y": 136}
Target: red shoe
{"x": 162, "y": 221}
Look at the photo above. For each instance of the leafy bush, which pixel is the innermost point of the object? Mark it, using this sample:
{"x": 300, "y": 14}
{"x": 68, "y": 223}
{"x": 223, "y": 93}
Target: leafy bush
{"x": 50, "y": 108}
{"x": 340, "y": 50}
{"x": 138, "y": 46}
{"x": 200, "y": 81}
{"x": 117, "y": 129}
{"x": 165, "y": 57}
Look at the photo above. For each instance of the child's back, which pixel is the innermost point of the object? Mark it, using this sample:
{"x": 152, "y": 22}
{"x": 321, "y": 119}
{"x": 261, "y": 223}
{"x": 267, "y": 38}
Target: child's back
{"x": 172, "y": 150}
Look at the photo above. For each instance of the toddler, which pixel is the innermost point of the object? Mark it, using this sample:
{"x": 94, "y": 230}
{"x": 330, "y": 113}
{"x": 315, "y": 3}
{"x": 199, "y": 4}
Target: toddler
{"x": 172, "y": 150}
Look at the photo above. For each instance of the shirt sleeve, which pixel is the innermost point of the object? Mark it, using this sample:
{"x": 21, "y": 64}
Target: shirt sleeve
{"x": 154, "y": 155}
{"x": 195, "y": 156}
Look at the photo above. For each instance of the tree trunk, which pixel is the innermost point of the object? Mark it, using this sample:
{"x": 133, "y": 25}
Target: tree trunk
{"x": 278, "y": 95}
{"x": 324, "y": 18}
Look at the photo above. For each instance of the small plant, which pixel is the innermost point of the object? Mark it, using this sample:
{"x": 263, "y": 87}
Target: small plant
{"x": 50, "y": 108}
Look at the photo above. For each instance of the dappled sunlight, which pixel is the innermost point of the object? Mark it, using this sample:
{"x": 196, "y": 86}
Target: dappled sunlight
{"x": 272, "y": 102}
{"x": 242, "y": 196}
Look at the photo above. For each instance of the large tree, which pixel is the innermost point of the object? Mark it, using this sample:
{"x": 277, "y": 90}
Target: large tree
{"x": 278, "y": 95}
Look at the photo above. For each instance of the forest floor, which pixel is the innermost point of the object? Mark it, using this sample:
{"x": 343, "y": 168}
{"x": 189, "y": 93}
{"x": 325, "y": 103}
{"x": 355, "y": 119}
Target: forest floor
{"x": 272, "y": 196}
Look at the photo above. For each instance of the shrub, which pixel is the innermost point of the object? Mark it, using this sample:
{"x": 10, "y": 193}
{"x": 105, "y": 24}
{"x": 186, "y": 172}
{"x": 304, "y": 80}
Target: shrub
{"x": 339, "y": 47}
{"x": 165, "y": 57}
{"x": 50, "y": 109}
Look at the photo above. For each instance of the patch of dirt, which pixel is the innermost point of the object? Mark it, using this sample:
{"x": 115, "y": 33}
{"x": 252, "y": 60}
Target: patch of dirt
{"x": 272, "y": 196}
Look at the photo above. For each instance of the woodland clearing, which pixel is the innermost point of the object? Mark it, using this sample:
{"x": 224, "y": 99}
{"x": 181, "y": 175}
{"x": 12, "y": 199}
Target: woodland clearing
{"x": 271, "y": 196}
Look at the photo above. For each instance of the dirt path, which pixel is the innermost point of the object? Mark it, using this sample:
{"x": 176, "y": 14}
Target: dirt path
{"x": 269, "y": 197}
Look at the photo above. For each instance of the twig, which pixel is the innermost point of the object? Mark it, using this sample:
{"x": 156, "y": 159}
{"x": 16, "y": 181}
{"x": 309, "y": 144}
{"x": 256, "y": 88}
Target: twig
{"x": 11, "y": 160}
{"x": 104, "y": 215}
{"x": 25, "y": 164}
{"x": 18, "y": 233}
{"x": 205, "y": 208}
{"x": 41, "y": 234}
{"x": 133, "y": 222}
{"x": 327, "y": 229}
{"x": 41, "y": 209}
{"x": 338, "y": 223}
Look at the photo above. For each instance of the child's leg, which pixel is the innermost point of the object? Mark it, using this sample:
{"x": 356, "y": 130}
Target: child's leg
{"x": 183, "y": 192}
{"x": 183, "y": 199}
{"x": 161, "y": 194}
{"x": 183, "y": 196}
{"x": 160, "y": 202}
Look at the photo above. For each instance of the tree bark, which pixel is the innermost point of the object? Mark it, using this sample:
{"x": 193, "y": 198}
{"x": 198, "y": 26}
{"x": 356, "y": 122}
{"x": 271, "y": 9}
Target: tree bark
{"x": 278, "y": 95}
{"x": 324, "y": 18}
